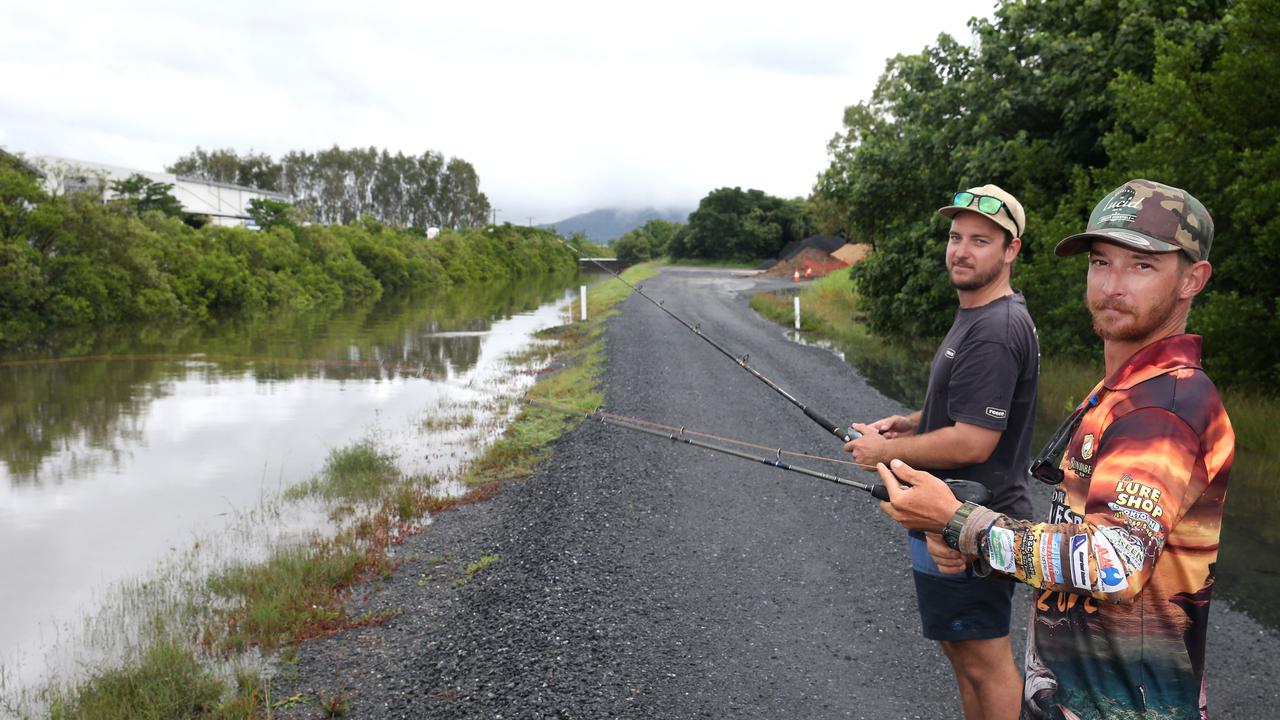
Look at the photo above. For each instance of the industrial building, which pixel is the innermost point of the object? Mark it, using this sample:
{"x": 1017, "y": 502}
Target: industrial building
{"x": 223, "y": 203}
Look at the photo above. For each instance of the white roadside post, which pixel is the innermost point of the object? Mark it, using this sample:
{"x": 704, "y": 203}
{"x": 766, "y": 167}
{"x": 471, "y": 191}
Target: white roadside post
{"x": 797, "y": 304}
{"x": 582, "y": 294}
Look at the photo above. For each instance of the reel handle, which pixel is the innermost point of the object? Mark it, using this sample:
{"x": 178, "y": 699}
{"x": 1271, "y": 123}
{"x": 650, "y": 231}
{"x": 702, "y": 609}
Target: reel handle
{"x": 964, "y": 490}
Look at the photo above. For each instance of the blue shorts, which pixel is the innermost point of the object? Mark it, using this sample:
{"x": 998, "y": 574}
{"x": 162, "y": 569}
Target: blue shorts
{"x": 958, "y": 607}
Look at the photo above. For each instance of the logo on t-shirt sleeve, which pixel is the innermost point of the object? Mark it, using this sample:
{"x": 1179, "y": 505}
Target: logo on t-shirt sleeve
{"x": 996, "y": 413}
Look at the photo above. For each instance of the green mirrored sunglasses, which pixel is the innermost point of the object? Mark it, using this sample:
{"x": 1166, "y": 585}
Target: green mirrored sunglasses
{"x": 986, "y": 203}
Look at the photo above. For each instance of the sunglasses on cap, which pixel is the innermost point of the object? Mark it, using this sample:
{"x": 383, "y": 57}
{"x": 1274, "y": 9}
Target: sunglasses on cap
{"x": 1046, "y": 467}
{"x": 986, "y": 203}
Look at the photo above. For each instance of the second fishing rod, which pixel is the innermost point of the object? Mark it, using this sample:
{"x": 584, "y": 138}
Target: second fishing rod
{"x": 962, "y": 489}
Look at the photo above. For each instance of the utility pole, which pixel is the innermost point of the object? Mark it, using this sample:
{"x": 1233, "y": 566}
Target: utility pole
{"x": 530, "y": 221}
{"x": 495, "y": 216}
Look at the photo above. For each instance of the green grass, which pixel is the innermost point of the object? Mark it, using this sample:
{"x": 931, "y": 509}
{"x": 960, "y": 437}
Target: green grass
{"x": 292, "y": 595}
{"x": 829, "y": 311}
{"x": 692, "y": 262}
{"x": 168, "y": 681}
{"x": 476, "y": 568}
{"x": 360, "y": 472}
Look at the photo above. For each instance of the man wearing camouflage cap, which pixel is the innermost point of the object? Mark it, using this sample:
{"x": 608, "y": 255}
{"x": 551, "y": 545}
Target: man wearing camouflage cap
{"x": 1124, "y": 565}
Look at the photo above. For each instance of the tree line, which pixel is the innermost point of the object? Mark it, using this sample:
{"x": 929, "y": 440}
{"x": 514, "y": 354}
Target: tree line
{"x": 729, "y": 224}
{"x": 71, "y": 261}
{"x": 1059, "y": 102}
{"x": 338, "y": 186}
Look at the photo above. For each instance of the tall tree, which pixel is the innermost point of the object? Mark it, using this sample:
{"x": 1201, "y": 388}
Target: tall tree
{"x": 339, "y": 185}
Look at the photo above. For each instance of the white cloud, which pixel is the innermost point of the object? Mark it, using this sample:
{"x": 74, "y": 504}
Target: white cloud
{"x": 561, "y": 106}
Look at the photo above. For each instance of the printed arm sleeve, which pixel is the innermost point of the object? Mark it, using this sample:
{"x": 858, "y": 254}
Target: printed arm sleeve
{"x": 1136, "y": 497}
{"x": 982, "y": 384}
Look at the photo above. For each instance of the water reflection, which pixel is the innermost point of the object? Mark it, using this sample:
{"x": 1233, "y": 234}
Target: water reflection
{"x": 87, "y": 409}
{"x": 113, "y": 461}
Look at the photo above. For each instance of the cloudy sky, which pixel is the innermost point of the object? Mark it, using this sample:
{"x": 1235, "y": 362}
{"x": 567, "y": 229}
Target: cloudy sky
{"x": 561, "y": 106}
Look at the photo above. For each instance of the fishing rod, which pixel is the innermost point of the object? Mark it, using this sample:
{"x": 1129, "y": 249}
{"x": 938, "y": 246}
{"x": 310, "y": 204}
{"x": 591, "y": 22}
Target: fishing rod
{"x": 845, "y": 434}
{"x": 964, "y": 490}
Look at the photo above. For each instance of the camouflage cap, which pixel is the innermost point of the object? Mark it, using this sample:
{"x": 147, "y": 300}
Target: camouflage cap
{"x": 1147, "y": 216}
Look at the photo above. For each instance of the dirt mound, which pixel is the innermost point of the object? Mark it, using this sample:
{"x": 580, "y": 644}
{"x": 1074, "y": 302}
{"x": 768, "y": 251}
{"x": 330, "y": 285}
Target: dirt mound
{"x": 809, "y": 262}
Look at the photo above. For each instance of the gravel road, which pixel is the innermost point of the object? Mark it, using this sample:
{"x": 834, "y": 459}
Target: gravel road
{"x": 636, "y": 578}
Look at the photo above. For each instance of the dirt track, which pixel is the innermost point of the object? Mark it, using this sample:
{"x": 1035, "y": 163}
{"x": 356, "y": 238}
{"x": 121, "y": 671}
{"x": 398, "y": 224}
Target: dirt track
{"x": 641, "y": 579}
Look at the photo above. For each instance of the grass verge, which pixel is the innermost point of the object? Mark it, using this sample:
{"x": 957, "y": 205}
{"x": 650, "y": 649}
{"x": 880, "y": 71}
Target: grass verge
{"x": 299, "y": 592}
{"x": 829, "y": 313}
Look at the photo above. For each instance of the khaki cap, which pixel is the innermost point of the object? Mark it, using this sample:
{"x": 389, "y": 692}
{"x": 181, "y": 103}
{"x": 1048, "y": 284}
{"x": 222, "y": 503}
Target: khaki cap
{"x": 1010, "y": 216}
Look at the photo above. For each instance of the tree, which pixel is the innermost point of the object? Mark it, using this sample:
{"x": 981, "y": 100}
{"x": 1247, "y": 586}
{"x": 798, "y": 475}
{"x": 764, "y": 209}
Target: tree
{"x": 268, "y": 213}
{"x": 141, "y": 194}
{"x": 647, "y": 242}
{"x": 1034, "y": 106}
{"x": 732, "y": 224}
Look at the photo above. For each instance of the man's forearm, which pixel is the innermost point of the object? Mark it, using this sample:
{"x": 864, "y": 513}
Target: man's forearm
{"x": 942, "y": 449}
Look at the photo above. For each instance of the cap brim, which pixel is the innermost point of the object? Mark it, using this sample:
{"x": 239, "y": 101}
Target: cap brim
{"x": 1080, "y": 242}
{"x": 950, "y": 211}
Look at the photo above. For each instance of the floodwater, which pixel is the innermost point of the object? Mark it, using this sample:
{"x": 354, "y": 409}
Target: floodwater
{"x": 130, "y": 453}
{"x": 1248, "y": 569}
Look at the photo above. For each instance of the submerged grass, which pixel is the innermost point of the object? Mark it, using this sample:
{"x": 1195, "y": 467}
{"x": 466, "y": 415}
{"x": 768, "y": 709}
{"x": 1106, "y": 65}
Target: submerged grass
{"x": 168, "y": 681}
{"x": 298, "y": 592}
{"x": 358, "y": 472}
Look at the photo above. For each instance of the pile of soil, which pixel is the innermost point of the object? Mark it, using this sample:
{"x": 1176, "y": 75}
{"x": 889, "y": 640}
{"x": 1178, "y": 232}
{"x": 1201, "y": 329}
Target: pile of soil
{"x": 819, "y": 262}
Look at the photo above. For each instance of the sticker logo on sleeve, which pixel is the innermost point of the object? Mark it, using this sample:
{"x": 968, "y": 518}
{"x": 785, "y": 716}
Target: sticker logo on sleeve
{"x": 1086, "y": 447}
{"x": 1000, "y": 549}
{"x": 1080, "y": 562}
{"x": 1111, "y": 574}
{"x": 1051, "y": 558}
{"x": 1131, "y": 552}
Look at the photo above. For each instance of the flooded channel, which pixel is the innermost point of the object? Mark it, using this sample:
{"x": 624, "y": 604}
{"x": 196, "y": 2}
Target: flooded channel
{"x": 172, "y": 448}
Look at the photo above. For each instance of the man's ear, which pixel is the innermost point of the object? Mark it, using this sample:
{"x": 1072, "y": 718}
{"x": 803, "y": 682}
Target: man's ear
{"x": 1194, "y": 279}
{"x": 1011, "y": 252}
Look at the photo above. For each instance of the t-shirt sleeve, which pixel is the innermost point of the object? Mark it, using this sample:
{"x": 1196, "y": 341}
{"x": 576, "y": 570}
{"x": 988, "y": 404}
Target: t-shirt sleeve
{"x": 983, "y": 380}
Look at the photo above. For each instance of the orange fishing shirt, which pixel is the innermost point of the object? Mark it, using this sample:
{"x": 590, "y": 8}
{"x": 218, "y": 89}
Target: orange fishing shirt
{"x": 1125, "y": 564}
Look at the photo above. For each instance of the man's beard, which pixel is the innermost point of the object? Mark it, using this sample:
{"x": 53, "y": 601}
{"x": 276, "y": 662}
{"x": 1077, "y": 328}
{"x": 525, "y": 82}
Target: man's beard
{"x": 976, "y": 281}
{"x": 1130, "y": 326}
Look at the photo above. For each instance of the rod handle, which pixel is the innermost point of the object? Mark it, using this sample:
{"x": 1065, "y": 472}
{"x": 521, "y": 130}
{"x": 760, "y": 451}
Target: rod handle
{"x": 964, "y": 490}
{"x": 845, "y": 434}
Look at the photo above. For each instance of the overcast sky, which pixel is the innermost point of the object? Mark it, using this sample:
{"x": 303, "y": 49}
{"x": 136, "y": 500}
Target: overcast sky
{"x": 562, "y": 107}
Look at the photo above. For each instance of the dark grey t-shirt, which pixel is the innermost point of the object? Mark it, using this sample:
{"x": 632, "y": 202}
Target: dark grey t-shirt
{"x": 985, "y": 373}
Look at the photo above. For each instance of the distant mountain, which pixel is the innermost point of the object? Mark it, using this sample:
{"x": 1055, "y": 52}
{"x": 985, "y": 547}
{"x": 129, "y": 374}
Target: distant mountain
{"x": 609, "y": 224}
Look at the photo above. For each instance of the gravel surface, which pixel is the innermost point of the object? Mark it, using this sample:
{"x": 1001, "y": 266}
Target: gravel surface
{"x": 641, "y": 579}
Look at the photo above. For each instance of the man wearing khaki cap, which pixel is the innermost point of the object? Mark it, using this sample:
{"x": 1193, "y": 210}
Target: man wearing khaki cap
{"x": 1124, "y": 565}
{"x": 975, "y": 425}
